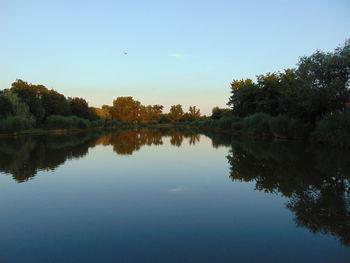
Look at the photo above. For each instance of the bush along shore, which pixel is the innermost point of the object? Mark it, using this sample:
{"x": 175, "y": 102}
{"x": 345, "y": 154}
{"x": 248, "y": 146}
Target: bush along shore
{"x": 57, "y": 124}
{"x": 333, "y": 129}
{"x": 310, "y": 102}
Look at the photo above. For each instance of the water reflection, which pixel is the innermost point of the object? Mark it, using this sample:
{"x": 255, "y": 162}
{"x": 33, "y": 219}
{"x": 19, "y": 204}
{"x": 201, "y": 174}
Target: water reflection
{"x": 315, "y": 179}
{"x": 23, "y": 157}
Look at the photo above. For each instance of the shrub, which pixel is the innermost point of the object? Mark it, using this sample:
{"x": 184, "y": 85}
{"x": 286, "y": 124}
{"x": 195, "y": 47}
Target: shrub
{"x": 108, "y": 123}
{"x": 218, "y": 113}
{"x": 14, "y": 124}
{"x": 111, "y": 123}
{"x": 257, "y": 123}
{"x": 334, "y": 129}
{"x": 236, "y": 126}
{"x": 236, "y": 123}
{"x": 298, "y": 129}
{"x": 152, "y": 122}
{"x": 280, "y": 126}
{"x": 59, "y": 122}
{"x": 164, "y": 119}
{"x": 206, "y": 123}
{"x": 98, "y": 123}
{"x": 80, "y": 123}
{"x": 224, "y": 123}
{"x": 70, "y": 122}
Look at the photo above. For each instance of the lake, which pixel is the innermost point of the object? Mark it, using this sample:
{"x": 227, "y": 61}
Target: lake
{"x": 157, "y": 195}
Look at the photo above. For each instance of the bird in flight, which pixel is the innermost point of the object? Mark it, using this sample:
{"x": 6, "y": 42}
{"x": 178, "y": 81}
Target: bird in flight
{"x": 125, "y": 53}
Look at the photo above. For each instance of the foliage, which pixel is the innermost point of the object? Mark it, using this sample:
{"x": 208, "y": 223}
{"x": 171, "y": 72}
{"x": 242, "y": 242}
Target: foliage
{"x": 14, "y": 124}
{"x": 165, "y": 119}
{"x": 6, "y": 106}
{"x": 31, "y": 95}
{"x": 125, "y": 109}
{"x": 297, "y": 99}
{"x": 318, "y": 86}
{"x": 71, "y": 122}
{"x": 79, "y": 107}
{"x": 299, "y": 129}
{"x": 327, "y": 73}
{"x": 279, "y": 126}
{"x": 236, "y": 123}
{"x": 16, "y": 106}
{"x": 80, "y": 123}
{"x": 258, "y": 123}
{"x": 334, "y": 129}
{"x": 103, "y": 113}
{"x": 59, "y": 122}
{"x": 194, "y": 113}
{"x": 282, "y": 126}
{"x": 55, "y": 103}
{"x": 224, "y": 123}
{"x": 244, "y": 97}
{"x": 176, "y": 112}
{"x": 218, "y": 113}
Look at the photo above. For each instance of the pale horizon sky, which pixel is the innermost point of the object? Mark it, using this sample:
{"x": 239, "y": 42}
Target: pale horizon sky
{"x": 179, "y": 52}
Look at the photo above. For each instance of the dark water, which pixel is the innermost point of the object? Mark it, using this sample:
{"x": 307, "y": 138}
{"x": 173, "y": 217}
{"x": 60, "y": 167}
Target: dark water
{"x": 171, "y": 196}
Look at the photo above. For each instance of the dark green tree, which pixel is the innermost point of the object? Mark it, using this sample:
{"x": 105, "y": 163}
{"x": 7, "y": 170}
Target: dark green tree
{"x": 79, "y": 107}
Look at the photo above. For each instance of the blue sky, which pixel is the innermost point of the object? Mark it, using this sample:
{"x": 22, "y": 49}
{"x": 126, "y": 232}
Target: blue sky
{"x": 183, "y": 52}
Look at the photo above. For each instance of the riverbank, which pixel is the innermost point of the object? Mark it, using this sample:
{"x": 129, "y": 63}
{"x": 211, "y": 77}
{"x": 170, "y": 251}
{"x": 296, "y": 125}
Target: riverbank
{"x": 333, "y": 130}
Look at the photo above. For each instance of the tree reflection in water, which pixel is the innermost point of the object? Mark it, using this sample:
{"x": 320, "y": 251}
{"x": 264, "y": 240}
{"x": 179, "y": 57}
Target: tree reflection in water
{"x": 24, "y": 156}
{"x": 315, "y": 179}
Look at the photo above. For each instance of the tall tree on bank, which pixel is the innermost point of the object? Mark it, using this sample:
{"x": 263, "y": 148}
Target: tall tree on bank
{"x": 79, "y": 107}
{"x": 319, "y": 86}
{"x": 31, "y": 95}
{"x": 125, "y": 109}
{"x": 328, "y": 75}
{"x": 176, "y": 112}
{"x": 192, "y": 114}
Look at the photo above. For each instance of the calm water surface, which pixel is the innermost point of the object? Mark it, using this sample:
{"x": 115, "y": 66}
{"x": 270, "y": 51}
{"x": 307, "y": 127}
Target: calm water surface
{"x": 171, "y": 196}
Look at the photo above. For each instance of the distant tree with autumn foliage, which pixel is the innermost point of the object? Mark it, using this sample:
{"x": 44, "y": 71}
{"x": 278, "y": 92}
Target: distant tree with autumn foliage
{"x": 125, "y": 109}
{"x": 176, "y": 113}
{"x": 192, "y": 114}
{"x": 103, "y": 112}
{"x": 155, "y": 112}
{"x": 150, "y": 113}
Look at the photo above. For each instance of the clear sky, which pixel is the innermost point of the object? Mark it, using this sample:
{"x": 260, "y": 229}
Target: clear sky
{"x": 179, "y": 52}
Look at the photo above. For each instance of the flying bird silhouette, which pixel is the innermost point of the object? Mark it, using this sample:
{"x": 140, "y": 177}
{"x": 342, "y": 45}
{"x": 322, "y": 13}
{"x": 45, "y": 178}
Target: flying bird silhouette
{"x": 125, "y": 53}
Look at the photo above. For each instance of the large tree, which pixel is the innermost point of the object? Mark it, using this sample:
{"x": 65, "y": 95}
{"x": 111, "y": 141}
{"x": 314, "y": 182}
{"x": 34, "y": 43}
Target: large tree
{"x": 80, "y": 107}
{"x": 125, "y": 109}
{"x": 31, "y": 95}
{"x": 176, "y": 112}
{"x": 328, "y": 75}
{"x": 6, "y": 107}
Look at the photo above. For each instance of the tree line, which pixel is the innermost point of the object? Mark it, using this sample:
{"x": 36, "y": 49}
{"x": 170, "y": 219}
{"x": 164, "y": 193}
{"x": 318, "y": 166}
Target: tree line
{"x": 128, "y": 109}
{"x": 27, "y": 105}
{"x": 311, "y": 101}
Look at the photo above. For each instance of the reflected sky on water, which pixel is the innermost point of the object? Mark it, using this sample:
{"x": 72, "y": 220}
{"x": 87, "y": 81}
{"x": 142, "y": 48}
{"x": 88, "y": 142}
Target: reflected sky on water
{"x": 171, "y": 196}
